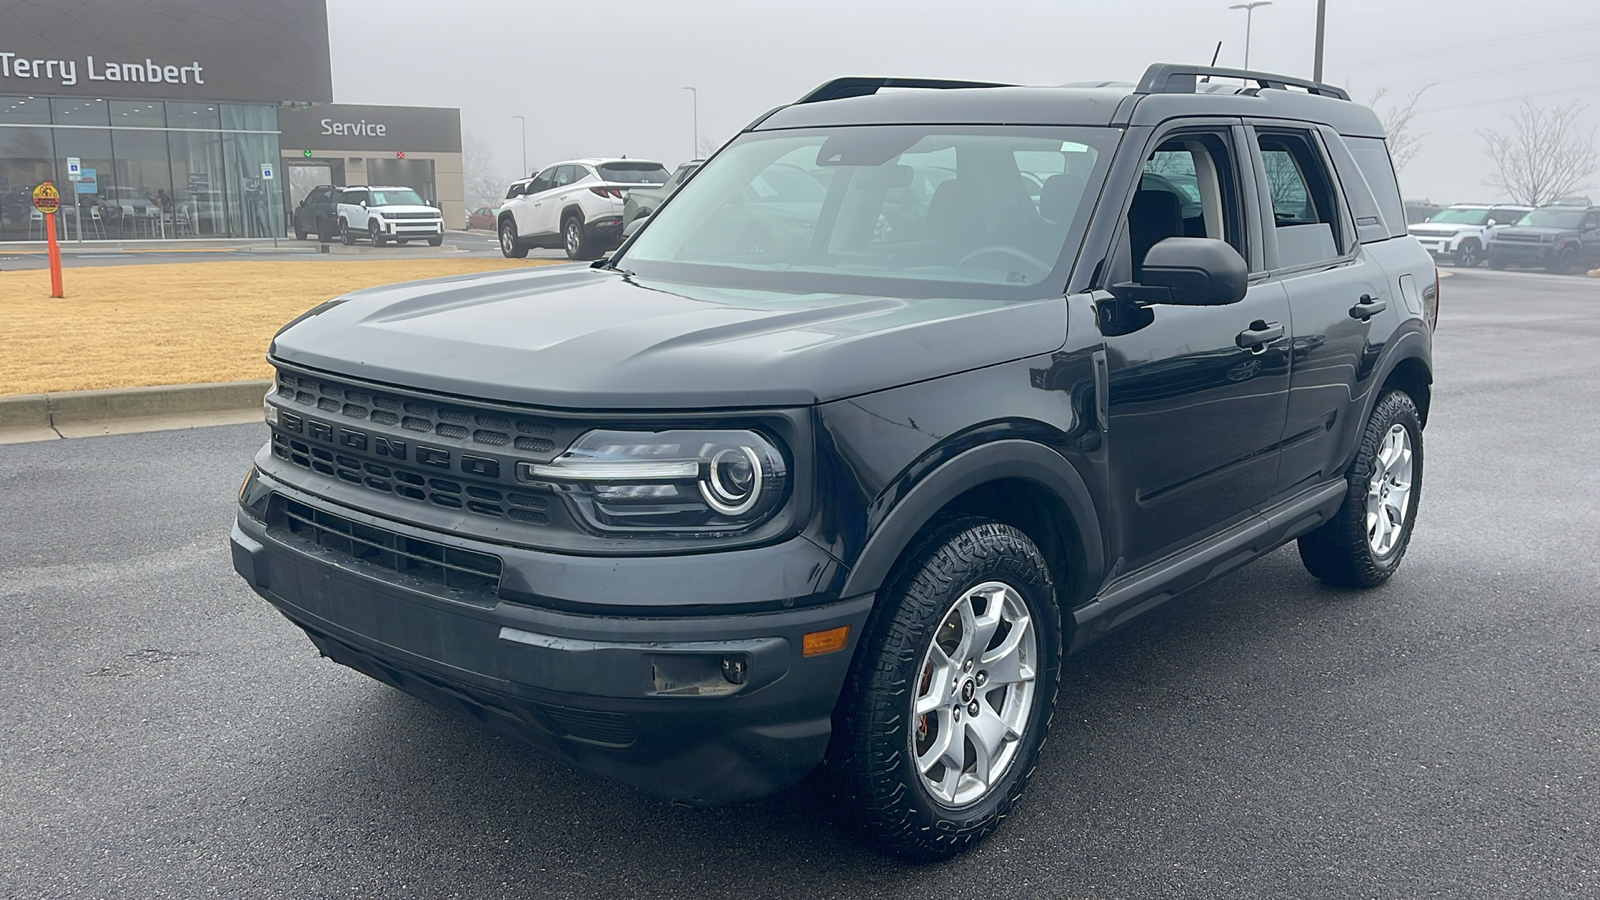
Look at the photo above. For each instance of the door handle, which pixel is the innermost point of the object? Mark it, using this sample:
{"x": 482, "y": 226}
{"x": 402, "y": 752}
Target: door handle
{"x": 1367, "y": 308}
{"x": 1259, "y": 335}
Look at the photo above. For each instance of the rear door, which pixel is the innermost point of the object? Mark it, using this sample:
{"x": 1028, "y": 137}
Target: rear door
{"x": 1313, "y": 248}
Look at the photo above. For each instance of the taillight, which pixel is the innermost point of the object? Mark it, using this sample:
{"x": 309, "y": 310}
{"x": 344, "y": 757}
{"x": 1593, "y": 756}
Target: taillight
{"x": 1430, "y": 302}
{"x": 607, "y": 192}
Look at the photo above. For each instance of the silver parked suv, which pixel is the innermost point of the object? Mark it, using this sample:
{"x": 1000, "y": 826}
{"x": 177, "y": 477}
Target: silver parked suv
{"x": 575, "y": 205}
{"x": 1461, "y": 232}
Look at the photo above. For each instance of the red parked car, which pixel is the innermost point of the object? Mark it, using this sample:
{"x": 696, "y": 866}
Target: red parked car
{"x": 482, "y": 217}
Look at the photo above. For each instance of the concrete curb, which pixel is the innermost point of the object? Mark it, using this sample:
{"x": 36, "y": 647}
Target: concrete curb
{"x": 34, "y": 411}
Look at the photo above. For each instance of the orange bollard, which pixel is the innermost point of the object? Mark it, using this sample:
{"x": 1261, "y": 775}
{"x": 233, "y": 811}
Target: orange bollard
{"x": 55, "y": 256}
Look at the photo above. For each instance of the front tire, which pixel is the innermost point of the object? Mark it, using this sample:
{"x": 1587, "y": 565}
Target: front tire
{"x": 1565, "y": 261}
{"x": 436, "y": 241}
{"x": 952, "y": 693}
{"x": 510, "y": 246}
{"x": 1362, "y": 545}
{"x": 1468, "y": 255}
{"x": 378, "y": 240}
{"x": 299, "y": 233}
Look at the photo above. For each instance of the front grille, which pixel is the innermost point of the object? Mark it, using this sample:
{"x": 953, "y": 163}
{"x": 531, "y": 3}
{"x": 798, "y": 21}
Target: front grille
{"x": 456, "y": 423}
{"x": 463, "y": 571}
{"x": 450, "y": 493}
{"x": 1519, "y": 238}
{"x": 411, "y": 215}
{"x": 597, "y": 726}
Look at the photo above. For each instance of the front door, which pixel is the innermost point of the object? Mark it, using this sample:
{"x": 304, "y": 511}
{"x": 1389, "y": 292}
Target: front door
{"x": 1196, "y": 394}
{"x": 527, "y": 209}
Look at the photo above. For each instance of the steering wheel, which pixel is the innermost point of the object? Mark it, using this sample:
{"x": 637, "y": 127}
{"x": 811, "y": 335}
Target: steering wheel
{"x": 1006, "y": 250}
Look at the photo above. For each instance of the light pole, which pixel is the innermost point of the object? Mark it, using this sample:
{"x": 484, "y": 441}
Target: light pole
{"x": 1249, "y": 14}
{"x": 696, "y": 94}
{"x": 524, "y": 144}
{"x": 1322, "y": 22}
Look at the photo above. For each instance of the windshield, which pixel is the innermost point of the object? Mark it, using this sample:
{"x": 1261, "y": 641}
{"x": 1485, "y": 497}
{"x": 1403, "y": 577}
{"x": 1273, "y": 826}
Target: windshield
{"x": 1553, "y": 218}
{"x": 396, "y": 198}
{"x": 634, "y": 173}
{"x": 939, "y": 210}
{"x": 1461, "y": 217}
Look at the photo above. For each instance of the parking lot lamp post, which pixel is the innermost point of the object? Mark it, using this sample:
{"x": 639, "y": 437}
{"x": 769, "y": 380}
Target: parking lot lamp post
{"x": 696, "y": 94}
{"x": 524, "y": 144}
{"x": 1249, "y": 14}
{"x": 1322, "y": 23}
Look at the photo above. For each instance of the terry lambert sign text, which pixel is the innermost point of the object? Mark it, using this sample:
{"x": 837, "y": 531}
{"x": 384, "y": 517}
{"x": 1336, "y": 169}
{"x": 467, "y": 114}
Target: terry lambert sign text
{"x": 65, "y": 71}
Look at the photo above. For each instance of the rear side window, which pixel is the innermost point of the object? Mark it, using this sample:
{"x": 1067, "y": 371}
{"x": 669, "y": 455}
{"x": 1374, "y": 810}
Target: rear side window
{"x": 1372, "y": 157}
{"x": 1304, "y": 210}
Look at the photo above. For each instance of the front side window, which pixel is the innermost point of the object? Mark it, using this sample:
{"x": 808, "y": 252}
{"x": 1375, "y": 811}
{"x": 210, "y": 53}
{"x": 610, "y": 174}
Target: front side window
{"x": 545, "y": 181}
{"x": 906, "y": 210}
{"x": 1303, "y": 206}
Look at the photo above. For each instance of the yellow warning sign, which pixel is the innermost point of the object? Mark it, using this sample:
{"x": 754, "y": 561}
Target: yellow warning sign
{"x": 46, "y": 198}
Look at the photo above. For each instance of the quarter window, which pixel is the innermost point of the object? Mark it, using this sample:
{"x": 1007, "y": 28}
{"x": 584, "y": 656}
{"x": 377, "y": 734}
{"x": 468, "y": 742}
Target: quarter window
{"x": 1304, "y": 210}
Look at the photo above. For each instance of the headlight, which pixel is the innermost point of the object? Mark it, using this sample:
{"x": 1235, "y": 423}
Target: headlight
{"x": 668, "y": 481}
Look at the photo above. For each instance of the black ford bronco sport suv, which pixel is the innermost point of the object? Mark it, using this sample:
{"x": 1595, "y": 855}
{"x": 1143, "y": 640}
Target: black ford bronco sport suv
{"x": 894, "y": 404}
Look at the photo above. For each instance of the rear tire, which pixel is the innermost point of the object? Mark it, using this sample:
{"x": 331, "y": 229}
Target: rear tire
{"x": 345, "y": 236}
{"x": 969, "y": 590}
{"x": 573, "y": 239}
{"x": 511, "y": 247}
{"x": 1362, "y": 545}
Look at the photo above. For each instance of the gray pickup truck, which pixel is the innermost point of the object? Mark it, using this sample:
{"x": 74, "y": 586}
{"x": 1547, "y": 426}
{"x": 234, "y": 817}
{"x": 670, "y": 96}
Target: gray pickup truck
{"x": 643, "y": 201}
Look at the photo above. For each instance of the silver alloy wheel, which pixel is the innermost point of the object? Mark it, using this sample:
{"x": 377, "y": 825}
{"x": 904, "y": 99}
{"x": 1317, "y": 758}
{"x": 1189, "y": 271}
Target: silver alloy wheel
{"x": 1389, "y": 491}
{"x": 506, "y": 240}
{"x": 974, "y": 694}
{"x": 574, "y": 237}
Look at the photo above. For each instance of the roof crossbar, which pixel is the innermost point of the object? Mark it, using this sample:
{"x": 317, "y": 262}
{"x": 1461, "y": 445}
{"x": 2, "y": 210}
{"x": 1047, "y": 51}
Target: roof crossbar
{"x": 1174, "y": 78}
{"x": 840, "y": 88}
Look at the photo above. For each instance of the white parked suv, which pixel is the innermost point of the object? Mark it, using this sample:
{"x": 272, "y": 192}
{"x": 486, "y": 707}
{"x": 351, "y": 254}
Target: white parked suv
{"x": 1460, "y": 233}
{"x": 384, "y": 214}
{"x": 574, "y": 206}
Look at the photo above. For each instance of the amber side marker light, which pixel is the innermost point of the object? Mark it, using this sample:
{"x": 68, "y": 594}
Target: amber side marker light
{"x": 819, "y": 642}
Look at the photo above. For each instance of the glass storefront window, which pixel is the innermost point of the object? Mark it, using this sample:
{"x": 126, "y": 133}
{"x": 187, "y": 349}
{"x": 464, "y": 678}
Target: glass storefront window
{"x": 193, "y": 115}
{"x": 197, "y": 182}
{"x": 24, "y": 111}
{"x": 144, "y": 113}
{"x": 162, "y": 169}
{"x": 258, "y": 205}
{"x": 80, "y": 112}
{"x": 25, "y": 161}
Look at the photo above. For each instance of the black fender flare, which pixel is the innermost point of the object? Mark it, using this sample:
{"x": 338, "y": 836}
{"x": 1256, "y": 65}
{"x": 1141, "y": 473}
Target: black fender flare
{"x": 1001, "y": 459}
{"x": 1409, "y": 343}
{"x": 572, "y": 210}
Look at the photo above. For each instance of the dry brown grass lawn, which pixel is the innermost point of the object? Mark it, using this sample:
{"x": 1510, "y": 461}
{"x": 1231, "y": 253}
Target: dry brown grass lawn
{"x": 179, "y": 323}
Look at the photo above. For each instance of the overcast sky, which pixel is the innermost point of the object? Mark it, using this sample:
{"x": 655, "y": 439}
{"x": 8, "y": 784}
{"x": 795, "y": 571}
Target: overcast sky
{"x": 603, "y": 79}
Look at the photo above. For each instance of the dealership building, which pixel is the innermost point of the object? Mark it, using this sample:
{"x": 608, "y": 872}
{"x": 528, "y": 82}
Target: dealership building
{"x": 193, "y": 119}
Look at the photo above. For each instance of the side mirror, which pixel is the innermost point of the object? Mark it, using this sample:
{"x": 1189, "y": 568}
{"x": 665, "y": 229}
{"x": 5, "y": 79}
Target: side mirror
{"x": 1490, "y": 224}
{"x": 1188, "y": 271}
{"x": 363, "y": 204}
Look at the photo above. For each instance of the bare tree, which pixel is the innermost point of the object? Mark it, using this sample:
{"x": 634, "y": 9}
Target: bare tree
{"x": 483, "y": 185}
{"x": 708, "y": 146}
{"x": 1403, "y": 141}
{"x": 1544, "y": 156}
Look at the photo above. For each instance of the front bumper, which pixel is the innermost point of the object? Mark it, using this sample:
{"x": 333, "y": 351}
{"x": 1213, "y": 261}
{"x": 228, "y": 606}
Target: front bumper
{"x": 1522, "y": 252}
{"x": 707, "y": 709}
{"x": 413, "y": 227}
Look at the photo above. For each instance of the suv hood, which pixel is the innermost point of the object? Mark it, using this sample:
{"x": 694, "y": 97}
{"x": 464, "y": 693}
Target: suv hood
{"x": 1529, "y": 233}
{"x": 582, "y": 338}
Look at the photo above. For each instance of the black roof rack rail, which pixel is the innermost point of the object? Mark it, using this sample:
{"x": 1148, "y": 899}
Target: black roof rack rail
{"x": 1174, "y": 78}
{"x": 840, "y": 88}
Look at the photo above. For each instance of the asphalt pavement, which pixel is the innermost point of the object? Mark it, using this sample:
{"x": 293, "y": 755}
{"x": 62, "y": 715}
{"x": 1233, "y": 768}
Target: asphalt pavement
{"x": 168, "y": 735}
